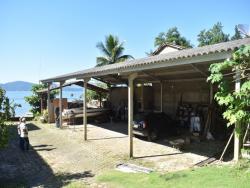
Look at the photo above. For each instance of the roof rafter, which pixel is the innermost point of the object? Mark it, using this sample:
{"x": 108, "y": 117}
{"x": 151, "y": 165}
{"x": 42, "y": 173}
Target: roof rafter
{"x": 199, "y": 70}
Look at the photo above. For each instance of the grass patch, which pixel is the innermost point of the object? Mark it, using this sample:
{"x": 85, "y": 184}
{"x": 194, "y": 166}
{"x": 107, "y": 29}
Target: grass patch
{"x": 75, "y": 185}
{"x": 211, "y": 176}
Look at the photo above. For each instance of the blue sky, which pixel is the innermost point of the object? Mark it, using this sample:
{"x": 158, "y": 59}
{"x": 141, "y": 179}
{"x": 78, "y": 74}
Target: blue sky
{"x": 45, "y": 38}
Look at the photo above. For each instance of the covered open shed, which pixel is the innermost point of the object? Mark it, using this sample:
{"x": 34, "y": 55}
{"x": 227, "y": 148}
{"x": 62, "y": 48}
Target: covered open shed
{"x": 170, "y": 74}
{"x": 44, "y": 94}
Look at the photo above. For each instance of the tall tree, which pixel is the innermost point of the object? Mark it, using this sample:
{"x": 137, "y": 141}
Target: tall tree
{"x": 237, "y": 34}
{"x": 172, "y": 36}
{"x": 213, "y": 35}
{"x": 112, "y": 50}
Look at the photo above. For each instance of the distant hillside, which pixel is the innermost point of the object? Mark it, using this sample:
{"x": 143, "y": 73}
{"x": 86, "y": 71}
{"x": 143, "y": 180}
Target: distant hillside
{"x": 26, "y": 86}
{"x": 17, "y": 86}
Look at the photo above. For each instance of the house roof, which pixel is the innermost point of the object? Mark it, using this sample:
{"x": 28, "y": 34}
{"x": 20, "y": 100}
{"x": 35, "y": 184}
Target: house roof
{"x": 164, "y": 45}
{"x": 188, "y": 56}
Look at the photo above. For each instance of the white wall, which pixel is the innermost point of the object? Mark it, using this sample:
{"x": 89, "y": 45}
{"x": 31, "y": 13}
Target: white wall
{"x": 168, "y": 49}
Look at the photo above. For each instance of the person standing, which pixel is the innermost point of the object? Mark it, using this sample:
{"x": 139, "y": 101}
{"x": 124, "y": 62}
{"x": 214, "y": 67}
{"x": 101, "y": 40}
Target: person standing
{"x": 19, "y": 132}
{"x": 57, "y": 113}
{"x": 24, "y": 135}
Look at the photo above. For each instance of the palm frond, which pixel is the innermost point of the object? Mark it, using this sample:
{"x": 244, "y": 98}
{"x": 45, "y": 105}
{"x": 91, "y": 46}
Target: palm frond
{"x": 112, "y": 50}
{"x": 124, "y": 58}
{"x": 111, "y": 42}
{"x": 102, "y": 61}
{"x": 103, "y": 49}
{"x": 118, "y": 51}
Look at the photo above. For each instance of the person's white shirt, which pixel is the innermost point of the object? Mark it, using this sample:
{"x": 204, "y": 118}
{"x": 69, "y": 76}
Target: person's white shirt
{"x": 23, "y": 130}
{"x": 18, "y": 129}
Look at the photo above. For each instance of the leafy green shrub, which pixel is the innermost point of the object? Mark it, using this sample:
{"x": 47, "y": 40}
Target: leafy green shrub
{"x": 35, "y": 99}
{"x": 4, "y": 116}
{"x": 237, "y": 103}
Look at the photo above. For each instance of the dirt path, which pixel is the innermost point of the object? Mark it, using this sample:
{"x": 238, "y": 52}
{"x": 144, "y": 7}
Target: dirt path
{"x": 59, "y": 156}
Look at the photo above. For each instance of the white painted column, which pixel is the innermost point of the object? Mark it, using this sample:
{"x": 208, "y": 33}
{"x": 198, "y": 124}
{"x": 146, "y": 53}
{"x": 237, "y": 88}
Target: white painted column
{"x": 60, "y": 104}
{"x": 161, "y": 97}
{"x": 85, "y": 107}
{"x": 236, "y": 135}
{"x": 131, "y": 112}
{"x": 48, "y": 103}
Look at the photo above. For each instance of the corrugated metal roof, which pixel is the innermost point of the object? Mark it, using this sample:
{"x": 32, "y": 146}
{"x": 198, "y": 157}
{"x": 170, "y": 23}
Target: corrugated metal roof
{"x": 76, "y": 82}
{"x": 166, "y": 58}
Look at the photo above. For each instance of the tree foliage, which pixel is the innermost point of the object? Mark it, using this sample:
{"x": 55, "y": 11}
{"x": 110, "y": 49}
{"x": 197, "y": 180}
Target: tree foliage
{"x": 237, "y": 34}
{"x": 35, "y": 99}
{"x": 212, "y": 36}
{"x": 172, "y": 36}
{"x": 5, "y": 114}
{"x": 93, "y": 95}
{"x": 237, "y": 104}
{"x": 112, "y": 50}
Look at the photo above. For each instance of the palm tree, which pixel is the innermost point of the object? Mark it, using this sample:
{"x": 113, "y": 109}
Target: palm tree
{"x": 112, "y": 50}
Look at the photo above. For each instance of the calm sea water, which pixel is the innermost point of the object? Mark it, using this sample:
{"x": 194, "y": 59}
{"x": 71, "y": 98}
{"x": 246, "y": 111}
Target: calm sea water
{"x": 18, "y": 97}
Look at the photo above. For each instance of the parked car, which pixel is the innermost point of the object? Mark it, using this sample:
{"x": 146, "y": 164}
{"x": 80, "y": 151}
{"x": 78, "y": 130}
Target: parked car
{"x": 154, "y": 125}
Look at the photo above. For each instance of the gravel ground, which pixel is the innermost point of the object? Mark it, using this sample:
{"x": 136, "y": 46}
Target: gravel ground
{"x": 60, "y": 156}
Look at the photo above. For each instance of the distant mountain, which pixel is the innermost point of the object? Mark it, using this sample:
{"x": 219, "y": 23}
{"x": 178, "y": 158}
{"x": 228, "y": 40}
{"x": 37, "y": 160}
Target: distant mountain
{"x": 17, "y": 86}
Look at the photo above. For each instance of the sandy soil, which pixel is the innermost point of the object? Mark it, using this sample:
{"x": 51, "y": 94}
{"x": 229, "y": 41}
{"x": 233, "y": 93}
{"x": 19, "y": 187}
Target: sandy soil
{"x": 59, "y": 156}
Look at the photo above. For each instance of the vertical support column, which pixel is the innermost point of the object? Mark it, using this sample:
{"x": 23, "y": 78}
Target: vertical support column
{"x": 142, "y": 97}
{"x": 60, "y": 105}
{"x": 100, "y": 100}
{"x": 48, "y": 103}
{"x": 131, "y": 112}
{"x": 211, "y": 94}
{"x": 237, "y": 126}
{"x": 161, "y": 97}
{"x": 41, "y": 103}
{"x": 85, "y": 107}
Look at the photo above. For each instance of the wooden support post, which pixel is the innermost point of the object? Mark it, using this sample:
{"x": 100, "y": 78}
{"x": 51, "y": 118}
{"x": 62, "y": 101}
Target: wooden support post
{"x": 142, "y": 97}
{"x": 85, "y": 107}
{"x": 41, "y": 103}
{"x": 131, "y": 112}
{"x": 237, "y": 126}
{"x": 100, "y": 100}
{"x": 48, "y": 103}
{"x": 211, "y": 94}
{"x": 60, "y": 104}
{"x": 161, "y": 97}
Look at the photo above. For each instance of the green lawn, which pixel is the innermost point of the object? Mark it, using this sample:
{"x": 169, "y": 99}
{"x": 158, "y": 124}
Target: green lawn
{"x": 212, "y": 176}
